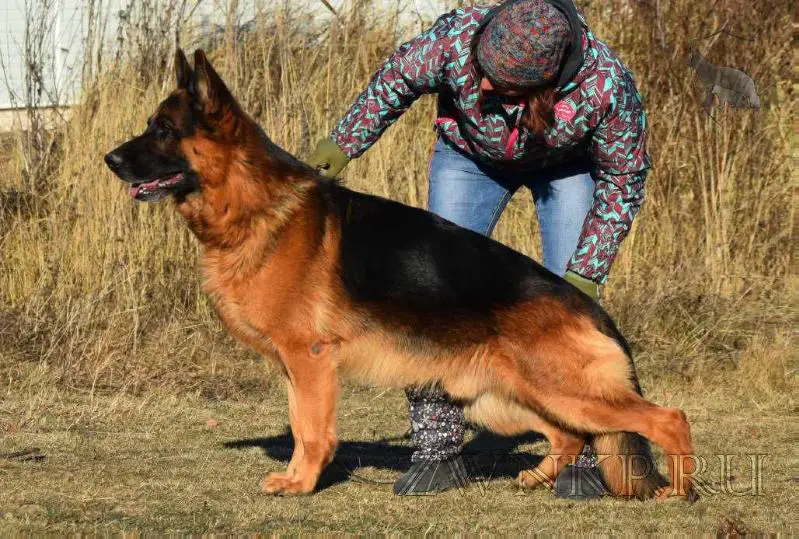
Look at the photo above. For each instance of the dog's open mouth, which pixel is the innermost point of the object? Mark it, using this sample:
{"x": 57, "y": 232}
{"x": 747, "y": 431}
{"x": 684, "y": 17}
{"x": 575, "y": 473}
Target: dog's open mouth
{"x": 157, "y": 187}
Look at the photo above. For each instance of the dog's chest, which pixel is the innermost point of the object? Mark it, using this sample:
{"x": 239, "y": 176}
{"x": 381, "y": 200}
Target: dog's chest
{"x": 240, "y": 323}
{"x": 255, "y": 309}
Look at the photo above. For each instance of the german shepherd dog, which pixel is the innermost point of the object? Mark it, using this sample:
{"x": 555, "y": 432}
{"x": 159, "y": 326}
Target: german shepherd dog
{"x": 330, "y": 281}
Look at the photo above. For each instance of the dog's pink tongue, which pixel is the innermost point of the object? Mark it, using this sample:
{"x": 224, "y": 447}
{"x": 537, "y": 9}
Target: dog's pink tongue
{"x": 136, "y": 188}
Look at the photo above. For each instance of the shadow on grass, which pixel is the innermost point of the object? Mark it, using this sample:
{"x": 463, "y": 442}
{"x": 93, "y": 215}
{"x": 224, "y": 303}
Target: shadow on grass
{"x": 487, "y": 456}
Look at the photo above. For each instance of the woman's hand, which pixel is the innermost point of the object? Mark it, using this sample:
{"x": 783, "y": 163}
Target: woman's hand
{"x": 586, "y": 286}
{"x": 328, "y": 159}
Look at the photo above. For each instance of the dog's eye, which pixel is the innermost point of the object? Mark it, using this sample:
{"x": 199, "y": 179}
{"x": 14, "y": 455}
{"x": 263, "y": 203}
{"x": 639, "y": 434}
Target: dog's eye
{"x": 164, "y": 130}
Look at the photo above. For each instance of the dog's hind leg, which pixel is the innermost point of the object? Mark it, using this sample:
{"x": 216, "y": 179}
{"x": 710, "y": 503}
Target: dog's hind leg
{"x": 666, "y": 427}
{"x": 314, "y": 386}
{"x": 584, "y": 382}
{"x": 506, "y": 417}
{"x": 564, "y": 446}
{"x": 625, "y": 412}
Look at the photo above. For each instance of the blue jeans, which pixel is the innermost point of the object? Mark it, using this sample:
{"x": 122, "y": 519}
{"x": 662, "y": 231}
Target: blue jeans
{"x": 473, "y": 195}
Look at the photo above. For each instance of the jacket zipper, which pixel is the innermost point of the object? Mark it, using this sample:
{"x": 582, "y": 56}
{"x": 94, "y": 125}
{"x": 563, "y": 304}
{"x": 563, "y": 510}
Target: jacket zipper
{"x": 514, "y": 135}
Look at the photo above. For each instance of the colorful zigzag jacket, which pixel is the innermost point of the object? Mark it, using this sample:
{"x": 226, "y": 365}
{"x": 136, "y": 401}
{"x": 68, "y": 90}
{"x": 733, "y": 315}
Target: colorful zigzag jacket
{"x": 598, "y": 117}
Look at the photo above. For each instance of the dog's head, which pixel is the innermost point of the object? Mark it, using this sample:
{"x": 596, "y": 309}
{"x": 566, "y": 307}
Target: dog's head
{"x": 172, "y": 155}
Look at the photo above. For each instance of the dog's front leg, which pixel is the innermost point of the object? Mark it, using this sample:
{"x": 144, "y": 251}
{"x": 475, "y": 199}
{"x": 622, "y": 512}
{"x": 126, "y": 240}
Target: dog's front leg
{"x": 297, "y": 453}
{"x": 313, "y": 392}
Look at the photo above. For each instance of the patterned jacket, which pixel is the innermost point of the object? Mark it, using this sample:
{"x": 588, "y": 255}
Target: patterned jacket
{"x": 598, "y": 116}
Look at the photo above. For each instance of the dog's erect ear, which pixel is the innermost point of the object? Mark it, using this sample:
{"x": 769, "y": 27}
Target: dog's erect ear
{"x": 209, "y": 89}
{"x": 182, "y": 70}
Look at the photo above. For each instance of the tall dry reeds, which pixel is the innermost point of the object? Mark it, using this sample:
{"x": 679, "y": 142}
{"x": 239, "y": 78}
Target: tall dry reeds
{"x": 106, "y": 292}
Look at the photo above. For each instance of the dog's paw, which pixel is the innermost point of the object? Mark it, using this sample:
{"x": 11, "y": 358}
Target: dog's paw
{"x": 665, "y": 494}
{"x": 284, "y": 484}
{"x": 532, "y": 479}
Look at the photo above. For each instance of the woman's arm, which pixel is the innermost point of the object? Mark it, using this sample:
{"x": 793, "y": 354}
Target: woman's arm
{"x": 618, "y": 150}
{"x": 616, "y": 203}
{"x": 416, "y": 68}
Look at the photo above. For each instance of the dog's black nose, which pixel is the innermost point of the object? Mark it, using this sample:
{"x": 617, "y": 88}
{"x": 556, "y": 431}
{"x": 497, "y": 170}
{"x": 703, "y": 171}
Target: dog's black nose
{"x": 113, "y": 160}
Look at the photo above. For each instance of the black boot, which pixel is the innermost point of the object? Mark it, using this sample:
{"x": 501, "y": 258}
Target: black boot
{"x": 437, "y": 429}
{"x": 429, "y": 477}
{"x": 579, "y": 483}
{"x": 583, "y": 480}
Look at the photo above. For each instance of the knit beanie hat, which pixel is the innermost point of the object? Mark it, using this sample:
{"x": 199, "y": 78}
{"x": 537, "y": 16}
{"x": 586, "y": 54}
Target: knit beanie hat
{"x": 524, "y": 44}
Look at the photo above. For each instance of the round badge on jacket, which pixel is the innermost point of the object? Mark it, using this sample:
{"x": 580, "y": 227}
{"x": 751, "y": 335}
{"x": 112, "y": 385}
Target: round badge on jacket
{"x": 564, "y": 111}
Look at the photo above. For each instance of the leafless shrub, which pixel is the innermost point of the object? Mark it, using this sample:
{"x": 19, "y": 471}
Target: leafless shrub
{"x": 40, "y": 96}
{"x": 149, "y": 31}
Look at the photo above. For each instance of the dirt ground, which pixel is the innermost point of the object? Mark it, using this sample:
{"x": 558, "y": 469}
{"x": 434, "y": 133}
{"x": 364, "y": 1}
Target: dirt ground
{"x": 159, "y": 463}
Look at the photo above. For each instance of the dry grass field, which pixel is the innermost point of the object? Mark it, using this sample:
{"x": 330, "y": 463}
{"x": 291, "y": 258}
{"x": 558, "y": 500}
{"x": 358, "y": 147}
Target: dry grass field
{"x": 149, "y": 418}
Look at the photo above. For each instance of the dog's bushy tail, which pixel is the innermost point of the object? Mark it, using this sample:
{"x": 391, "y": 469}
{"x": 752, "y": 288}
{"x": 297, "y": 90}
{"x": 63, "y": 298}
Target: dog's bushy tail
{"x": 627, "y": 465}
